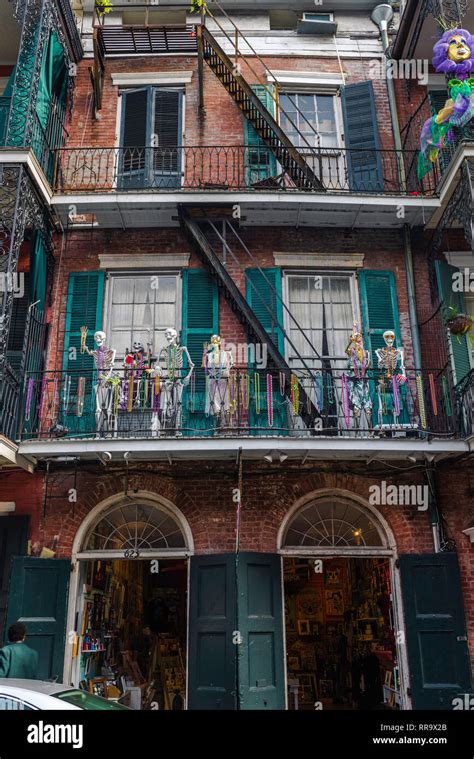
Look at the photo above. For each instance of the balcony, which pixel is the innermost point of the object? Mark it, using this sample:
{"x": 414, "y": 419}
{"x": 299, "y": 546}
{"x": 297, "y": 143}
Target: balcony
{"x": 117, "y": 186}
{"x": 65, "y": 413}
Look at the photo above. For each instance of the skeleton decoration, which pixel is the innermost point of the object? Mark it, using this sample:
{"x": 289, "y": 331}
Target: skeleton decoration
{"x": 107, "y": 381}
{"x": 170, "y": 370}
{"x": 218, "y": 363}
{"x": 393, "y": 375}
{"x": 358, "y": 365}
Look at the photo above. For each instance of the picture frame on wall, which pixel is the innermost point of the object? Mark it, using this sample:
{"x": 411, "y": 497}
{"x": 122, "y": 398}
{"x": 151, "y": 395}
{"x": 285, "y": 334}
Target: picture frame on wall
{"x": 334, "y": 602}
{"x": 294, "y": 663}
{"x": 304, "y": 627}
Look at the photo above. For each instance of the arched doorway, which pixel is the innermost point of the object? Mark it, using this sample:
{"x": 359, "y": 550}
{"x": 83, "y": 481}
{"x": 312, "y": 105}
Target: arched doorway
{"x": 342, "y": 614}
{"x": 128, "y": 607}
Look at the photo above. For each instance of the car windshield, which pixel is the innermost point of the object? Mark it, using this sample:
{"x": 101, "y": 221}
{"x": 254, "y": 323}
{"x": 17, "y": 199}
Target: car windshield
{"x": 87, "y": 701}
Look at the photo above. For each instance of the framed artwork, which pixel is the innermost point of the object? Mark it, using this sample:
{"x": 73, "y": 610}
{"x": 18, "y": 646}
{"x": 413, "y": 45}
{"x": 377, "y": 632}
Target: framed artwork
{"x": 333, "y": 575}
{"x": 309, "y": 604}
{"x": 293, "y": 663}
{"x": 334, "y": 603}
{"x": 304, "y": 627}
{"x": 325, "y": 688}
{"x": 316, "y": 628}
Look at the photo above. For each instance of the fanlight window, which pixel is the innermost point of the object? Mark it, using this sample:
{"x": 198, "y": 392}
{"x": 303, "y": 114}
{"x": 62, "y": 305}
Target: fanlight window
{"x": 332, "y": 524}
{"x": 135, "y": 527}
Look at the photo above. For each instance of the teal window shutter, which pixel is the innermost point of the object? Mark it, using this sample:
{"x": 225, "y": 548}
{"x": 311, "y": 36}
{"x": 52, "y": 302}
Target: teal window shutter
{"x": 260, "y": 163}
{"x": 39, "y": 273}
{"x": 361, "y": 137}
{"x": 5, "y": 100}
{"x": 85, "y": 299}
{"x": 200, "y": 320}
{"x": 460, "y": 347}
{"x": 379, "y": 308}
{"x": 265, "y": 301}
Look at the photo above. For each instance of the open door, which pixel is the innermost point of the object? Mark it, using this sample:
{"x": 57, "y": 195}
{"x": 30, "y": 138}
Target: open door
{"x": 260, "y": 622}
{"x": 38, "y": 598}
{"x": 13, "y": 542}
{"x": 435, "y": 629}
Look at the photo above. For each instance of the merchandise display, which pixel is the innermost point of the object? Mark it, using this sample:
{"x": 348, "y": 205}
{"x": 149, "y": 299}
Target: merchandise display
{"x": 132, "y": 633}
{"x": 341, "y": 651}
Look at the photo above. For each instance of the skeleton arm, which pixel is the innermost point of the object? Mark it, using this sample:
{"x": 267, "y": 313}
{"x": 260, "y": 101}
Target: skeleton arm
{"x": 185, "y": 352}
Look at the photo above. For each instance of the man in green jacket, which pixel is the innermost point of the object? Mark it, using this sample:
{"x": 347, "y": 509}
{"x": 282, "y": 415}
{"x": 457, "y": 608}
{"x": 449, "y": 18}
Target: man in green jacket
{"x": 16, "y": 658}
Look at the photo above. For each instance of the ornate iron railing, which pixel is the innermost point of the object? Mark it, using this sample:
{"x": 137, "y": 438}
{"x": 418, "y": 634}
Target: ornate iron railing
{"x": 10, "y": 387}
{"x": 228, "y": 167}
{"x": 464, "y": 391}
{"x": 249, "y": 402}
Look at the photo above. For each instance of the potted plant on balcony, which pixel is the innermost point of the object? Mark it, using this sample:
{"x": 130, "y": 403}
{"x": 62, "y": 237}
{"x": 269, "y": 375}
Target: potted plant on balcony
{"x": 458, "y": 323}
{"x": 103, "y": 6}
{"x": 198, "y": 5}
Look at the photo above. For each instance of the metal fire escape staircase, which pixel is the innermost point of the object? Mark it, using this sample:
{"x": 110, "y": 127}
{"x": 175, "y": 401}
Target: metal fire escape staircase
{"x": 194, "y": 229}
{"x": 255, "y": 111}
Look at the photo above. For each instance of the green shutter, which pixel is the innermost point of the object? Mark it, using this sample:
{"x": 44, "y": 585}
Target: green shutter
{"x": 200, "y": 319}
{"x": 39, "y": 273}
{"x": 84, "y": 308}
{"x": 212, "y": 621}
{"x": 460, "y": 346}
{"x": 38, "y": 596}
{"x": 379, "y": 308}
{"x": 260, "y": 622}
{"x": 13, "y": 542}
{"x": 361, "y": 137}
{"x": 260, "y": 163}
{"x": 435, "y": 629}
{"x": 263, "y": 286}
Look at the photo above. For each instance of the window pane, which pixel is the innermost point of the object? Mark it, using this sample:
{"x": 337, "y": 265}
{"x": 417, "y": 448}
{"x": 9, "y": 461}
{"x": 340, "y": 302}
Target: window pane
{"x": 122, "y": 290}
{"x": 142, "y": 290}
{"x": 121, "y": 316}
{"x": 143, "y": 316}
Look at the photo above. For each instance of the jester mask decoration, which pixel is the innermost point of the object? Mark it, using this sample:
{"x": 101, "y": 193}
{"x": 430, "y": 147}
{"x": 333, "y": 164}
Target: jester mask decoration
{"x": 453, "y": 55}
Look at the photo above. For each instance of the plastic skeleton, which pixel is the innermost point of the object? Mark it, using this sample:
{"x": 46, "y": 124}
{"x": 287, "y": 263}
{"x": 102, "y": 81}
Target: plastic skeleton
{"x": 358, "y": 365}
{"x": 218, "y": 363}
{"x": 391, "y": 361}
{"x": 170, "y": 368}
{"x": 104, "y": 358}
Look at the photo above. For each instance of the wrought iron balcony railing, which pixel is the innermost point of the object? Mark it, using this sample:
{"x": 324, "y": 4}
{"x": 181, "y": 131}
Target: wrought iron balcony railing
{"x": 228, "y": 168}
{"x": 248, "y": 402}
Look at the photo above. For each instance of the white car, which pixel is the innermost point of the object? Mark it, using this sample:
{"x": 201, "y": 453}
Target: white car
{"x": 31, "y": 695}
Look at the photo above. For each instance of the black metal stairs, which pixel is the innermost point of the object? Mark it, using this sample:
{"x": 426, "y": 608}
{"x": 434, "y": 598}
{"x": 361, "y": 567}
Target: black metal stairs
{"x": 253, "y": 109}
{"x": 200, "y": 242}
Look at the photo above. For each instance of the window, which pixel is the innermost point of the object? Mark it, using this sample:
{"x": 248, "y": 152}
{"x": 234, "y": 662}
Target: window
{"x": 324, "y": 306}
{"x": 318, "y": 17}
{"x": 141, "y": 307}
{"x": 151, "y": 136}
{"x": 9, "y": 703}
{"x": 317, "y": 109}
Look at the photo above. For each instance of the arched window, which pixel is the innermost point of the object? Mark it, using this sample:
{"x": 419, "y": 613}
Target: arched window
{"x": 135, "y": 527}
{"x": 329, "y": 523}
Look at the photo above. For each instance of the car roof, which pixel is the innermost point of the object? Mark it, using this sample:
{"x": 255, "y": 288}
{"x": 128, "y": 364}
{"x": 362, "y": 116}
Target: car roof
{"x": 38, "y": 686}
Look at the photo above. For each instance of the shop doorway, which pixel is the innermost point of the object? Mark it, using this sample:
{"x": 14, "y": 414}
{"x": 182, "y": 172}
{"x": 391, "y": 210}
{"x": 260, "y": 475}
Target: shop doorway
{"x": 342, "y": 616}
{"x": 128, "y": 604}
{"x": 340, "y": 638}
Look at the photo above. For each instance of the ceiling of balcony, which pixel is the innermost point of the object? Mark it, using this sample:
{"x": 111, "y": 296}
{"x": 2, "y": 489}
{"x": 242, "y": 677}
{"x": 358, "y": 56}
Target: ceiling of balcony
{"x": 253, "y": 5}
{"x": 429, "y": 33}
{"x": 10, "y": 34}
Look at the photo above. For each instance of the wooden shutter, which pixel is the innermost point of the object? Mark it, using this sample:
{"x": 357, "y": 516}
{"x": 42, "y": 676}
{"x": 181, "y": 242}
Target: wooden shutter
{"x": 260, "y": 163}
{"x": 460, "y": 346}
{"x": 167, "y": 126}
{"x": 38, "y": 594}
{"x": 13, "y": 542}
{"x": 16, "y": 334}
{"x": 435, "y": 629}
{"x": 134, "y": 138}
{"x": 362, "y": 138}
{"x": 260, "y": 622}
{"x": 379, "y": 308}
{"x": 212, "y": 620}
{"x": 263, "y": 286}
{"x": 200, "y": 319}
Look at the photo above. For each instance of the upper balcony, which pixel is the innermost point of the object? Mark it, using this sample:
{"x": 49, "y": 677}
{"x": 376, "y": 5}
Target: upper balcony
{"x": 138, "y": 413}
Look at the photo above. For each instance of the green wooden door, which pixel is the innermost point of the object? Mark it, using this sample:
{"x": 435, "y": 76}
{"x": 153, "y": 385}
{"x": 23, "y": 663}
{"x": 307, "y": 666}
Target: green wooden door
{"x": 435, "y": 629}
{"x": 260, "y": 623}
{"x": 260, "y": 163}
{"x": 200, "y": 321}
{"x": 13, "y": 542}
{"x": 460, "y": 345}
{"x": 212, "y": 620}
{"x": 38, "y": 597}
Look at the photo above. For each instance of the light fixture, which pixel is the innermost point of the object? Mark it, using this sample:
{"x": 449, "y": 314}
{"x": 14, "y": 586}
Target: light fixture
{"x": 469, "y": 533}
{"x": 430, "y": 457}
{"x": 382, "y": 15}
{"x": 271, "y": 456}
{"x": 412, "y": 457}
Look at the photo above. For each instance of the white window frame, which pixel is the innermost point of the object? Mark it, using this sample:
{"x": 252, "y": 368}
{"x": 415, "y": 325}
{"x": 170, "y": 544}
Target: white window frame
{"x": 354, "y": 293}
{"x": 295, "y": 89}
{"x": 131, "y": 274}
{"x": 308, "y": 14}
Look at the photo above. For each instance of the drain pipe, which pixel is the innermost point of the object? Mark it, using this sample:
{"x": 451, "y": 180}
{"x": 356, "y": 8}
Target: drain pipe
{"x": 381, "y": 16}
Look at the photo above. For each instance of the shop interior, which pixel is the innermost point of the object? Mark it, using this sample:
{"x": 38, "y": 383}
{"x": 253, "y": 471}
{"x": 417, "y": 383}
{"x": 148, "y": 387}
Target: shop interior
{"x": 130, "y": 644}
{"x": 340, "y": 641}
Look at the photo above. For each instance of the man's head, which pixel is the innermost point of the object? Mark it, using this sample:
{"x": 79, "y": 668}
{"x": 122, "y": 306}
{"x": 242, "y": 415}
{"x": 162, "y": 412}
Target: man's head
{"x": 17, "y": 632}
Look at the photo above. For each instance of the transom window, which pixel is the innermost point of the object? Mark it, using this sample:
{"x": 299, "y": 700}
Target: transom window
{"x": 324, "y": 307}
{"x": 337, "y": 523}
{"x": 319, "y": 111}
{"x": 141, "y": 307}
{"x": 137, "y": 527}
